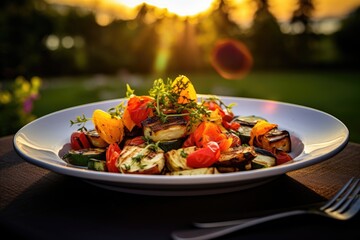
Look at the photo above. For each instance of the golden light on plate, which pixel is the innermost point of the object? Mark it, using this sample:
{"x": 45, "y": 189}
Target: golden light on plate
{"x": 270, "y": 107}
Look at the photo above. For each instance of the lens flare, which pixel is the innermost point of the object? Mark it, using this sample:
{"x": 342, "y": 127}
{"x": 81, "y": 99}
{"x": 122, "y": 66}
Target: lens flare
{"x": 231, "y": 59}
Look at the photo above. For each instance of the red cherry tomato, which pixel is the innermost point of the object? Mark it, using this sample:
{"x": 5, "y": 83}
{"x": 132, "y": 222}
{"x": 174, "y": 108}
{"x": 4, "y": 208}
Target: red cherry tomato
{"x": 139, "y": 110}
{"x": 79, "y": 140}
{"x": 213, "y": 106}
{"x": 282, "y": 157}
{"x": 112, "y": 154}
{"x": 204, "y": 157}
{"x": 231, "y": 125}
{"x": 190, "y": 141}
{"x": 136, "y": 141}
{"x": 211, "y": 132}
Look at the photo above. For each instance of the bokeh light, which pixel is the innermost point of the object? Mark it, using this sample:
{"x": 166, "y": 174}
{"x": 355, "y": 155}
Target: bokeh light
{"x": 231, "y": 59}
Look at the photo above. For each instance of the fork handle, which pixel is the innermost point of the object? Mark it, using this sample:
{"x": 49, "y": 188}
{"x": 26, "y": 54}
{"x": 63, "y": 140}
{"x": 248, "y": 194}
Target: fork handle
{"x": 210, "y": 233}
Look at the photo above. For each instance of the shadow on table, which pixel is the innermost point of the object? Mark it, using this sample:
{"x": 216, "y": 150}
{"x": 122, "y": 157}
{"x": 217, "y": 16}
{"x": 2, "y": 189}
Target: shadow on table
{"x": 59, "y": 207}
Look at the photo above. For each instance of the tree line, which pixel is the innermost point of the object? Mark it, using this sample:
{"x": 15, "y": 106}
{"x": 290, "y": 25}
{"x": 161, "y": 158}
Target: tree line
{"x": 37, "y": 38}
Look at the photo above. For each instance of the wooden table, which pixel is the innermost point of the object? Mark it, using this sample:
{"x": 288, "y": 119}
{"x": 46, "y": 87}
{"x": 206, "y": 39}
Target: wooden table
{"x": 38, "y": 204}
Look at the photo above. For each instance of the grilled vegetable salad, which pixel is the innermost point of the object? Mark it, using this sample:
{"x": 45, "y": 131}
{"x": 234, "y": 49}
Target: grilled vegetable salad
{"x": 171, "y": 132}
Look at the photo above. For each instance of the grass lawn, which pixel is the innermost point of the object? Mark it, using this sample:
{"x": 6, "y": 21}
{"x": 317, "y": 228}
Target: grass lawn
{"x": 336, "y": 93}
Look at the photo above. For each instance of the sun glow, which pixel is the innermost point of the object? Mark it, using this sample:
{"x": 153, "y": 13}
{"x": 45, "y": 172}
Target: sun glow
{"x": 178, "y": 7}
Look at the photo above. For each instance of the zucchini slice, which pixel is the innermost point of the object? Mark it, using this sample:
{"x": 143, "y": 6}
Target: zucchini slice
{"x": 171, "y": 144}
{"x": 264, "y": 159}
{"x": 97, "y": 165}
{"x": 81, "y": 157}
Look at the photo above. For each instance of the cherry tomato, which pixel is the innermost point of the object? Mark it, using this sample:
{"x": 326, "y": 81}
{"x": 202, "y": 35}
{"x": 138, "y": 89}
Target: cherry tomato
{"x": 78, "y": 140}
{"x": 190, "y": 141}
{"x": 204, "y": 157}
{"x": 139, "y": 110}
{"x": 136, "y": 141}
{"x": 211, "y": 132}
{"x": 231, "y": 125}
{"x": 282, "y": 157}
{"x": 112, "y": 154}
{"x": 213, "y": 106}
{"x": 229, "y": 116}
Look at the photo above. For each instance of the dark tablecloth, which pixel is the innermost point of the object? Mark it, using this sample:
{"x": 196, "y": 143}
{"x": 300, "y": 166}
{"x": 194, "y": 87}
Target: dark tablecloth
{"x": 38, "y": 204}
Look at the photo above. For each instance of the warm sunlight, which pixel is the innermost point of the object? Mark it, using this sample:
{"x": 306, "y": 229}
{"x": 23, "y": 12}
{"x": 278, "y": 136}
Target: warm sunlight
{"x": 178, "y": 7}
{"x": 242, "y": 13}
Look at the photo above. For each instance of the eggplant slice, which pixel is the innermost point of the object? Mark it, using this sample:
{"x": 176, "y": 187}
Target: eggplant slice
{"x": 236, "y": 159}
{"x": 274, "y": 139}
{"x": 173, "y": 128}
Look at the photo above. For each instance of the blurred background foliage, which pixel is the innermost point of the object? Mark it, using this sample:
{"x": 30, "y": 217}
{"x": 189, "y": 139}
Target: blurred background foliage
{"x": 37, "y": 38}
{"x": 83, "y": 55}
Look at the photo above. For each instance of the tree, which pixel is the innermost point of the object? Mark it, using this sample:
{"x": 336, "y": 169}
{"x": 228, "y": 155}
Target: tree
{"x": 22, "y": 30}
{"x": 215, "y": 26}
{"x": 266, "y": 41}
{"x": 302, "y": 15}
{"x": 302, "y": 41}
{"x": 348, "y": 38}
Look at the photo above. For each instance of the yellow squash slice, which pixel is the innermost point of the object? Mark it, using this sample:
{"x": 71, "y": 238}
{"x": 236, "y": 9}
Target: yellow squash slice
{"x": 185, "y": 88}
{"x": 111, "y": 129}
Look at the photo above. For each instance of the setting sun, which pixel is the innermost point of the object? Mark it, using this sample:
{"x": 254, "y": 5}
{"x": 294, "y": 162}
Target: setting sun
{"x": 178, "y": 7}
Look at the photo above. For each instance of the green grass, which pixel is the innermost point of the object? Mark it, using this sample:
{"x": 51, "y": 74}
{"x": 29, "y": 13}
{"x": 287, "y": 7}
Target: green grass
{"x": 336, "y": 93}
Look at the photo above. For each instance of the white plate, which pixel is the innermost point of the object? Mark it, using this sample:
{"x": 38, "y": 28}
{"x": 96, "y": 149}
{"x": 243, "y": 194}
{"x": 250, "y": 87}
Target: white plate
{"x": 316, "y": 136}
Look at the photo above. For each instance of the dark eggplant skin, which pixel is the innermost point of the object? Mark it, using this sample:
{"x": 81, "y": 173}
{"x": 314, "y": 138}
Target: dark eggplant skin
{"x": 246, "y": 124}
{"x": 155, "y": 124}
{"x": 264, "y": 152}
{"x": 277, "y": 139}
{"x": 274, "y": 139}
{"x": 262, "y": 159}
{"x": 171, "y": 144}
{"x": 238, "y": 157}
{"x": 247, "y": 120}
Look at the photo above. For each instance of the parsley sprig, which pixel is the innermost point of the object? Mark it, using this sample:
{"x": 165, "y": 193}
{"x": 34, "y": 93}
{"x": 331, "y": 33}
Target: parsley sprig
{"x": 115, "y": 112}
{"x": 167, "y": 102}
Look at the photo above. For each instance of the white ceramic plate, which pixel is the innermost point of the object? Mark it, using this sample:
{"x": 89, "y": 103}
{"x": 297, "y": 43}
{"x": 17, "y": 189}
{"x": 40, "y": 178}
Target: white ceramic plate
{"x": 316, "y": 136}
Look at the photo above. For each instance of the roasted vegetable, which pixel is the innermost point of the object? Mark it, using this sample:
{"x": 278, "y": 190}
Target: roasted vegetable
{"x": 95, "y": 139}
{"x": 197, "y": 171}
{"x": 176, "y": 159}
{"x": 171, "y": 144}
{"x": 79, "y": 140}
{"x": 134, "y": 159}
{"x": 276, "y": 139}
{"x": 246, "y": 124}
{"x": 237, "y": 158}
{"x": 184, "y": 88}
{"x": 97, "y": 165}
{"x": 204, "y": 157}
{"x": 111, "y": 129}
{"x": 81, "y": 157}
{"x": 138, "y": 109}
{"x": 173, "y": 128}
{"x": 263, "y": 159}
{"x": 210, "y": 132}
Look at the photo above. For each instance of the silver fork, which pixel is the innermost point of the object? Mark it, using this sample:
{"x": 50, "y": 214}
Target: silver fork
{"x": 343, "y": 206}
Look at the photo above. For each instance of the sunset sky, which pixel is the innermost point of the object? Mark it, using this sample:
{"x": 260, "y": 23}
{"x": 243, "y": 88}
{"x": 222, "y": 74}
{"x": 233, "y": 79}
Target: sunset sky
{"x": 281, "y": 9}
